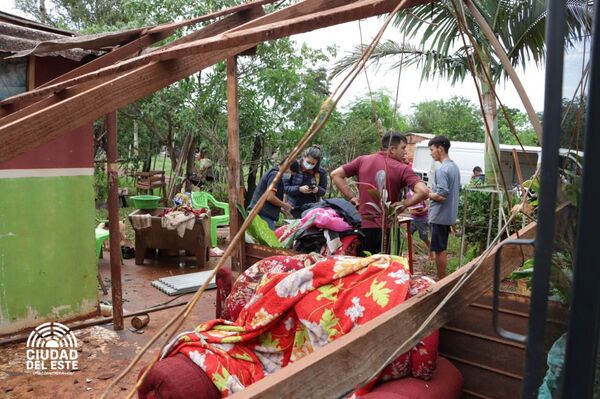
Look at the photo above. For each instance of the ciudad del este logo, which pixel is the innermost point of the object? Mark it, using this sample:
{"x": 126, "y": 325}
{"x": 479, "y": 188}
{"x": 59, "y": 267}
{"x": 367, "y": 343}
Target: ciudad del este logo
{"x": 51, "y": 348}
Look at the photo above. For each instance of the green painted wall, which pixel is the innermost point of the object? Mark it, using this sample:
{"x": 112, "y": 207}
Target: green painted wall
{"x": 47, "y": 250}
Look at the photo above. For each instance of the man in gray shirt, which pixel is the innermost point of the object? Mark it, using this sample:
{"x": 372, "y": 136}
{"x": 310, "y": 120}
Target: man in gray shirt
{"x": 444, "y": 201}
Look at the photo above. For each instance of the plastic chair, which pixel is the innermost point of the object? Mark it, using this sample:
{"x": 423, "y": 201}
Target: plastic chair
{"x": 201, "y": 199}
{"x": 101, "y": 235}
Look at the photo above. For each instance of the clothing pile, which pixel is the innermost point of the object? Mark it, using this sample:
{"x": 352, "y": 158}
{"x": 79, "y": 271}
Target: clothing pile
{"x": 329, "y": 227}
{"x": 299, "y": 305}
{"x": 181, "y": 218}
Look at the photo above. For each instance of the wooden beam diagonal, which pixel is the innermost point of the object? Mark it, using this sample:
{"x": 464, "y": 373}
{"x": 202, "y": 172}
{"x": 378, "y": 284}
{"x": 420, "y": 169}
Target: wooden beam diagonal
{"x": 43, "y": 125}
{"x": 152, "y": 35}
{"x": 26, "y": 132}
{"x": 24, "y": 99}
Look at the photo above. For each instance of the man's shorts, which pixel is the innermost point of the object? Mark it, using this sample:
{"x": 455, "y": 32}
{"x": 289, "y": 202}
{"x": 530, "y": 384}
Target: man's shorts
{"x": 422, "y": 226}
{"x": 439, "y": 237}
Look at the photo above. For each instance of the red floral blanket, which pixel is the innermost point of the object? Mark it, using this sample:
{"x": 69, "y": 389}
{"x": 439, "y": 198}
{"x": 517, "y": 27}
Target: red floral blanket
{"x": 293, "y": 313}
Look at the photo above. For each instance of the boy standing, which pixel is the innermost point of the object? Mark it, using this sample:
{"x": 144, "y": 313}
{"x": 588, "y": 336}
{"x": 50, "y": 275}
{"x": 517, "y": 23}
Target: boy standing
{"x": 443, "y": 209}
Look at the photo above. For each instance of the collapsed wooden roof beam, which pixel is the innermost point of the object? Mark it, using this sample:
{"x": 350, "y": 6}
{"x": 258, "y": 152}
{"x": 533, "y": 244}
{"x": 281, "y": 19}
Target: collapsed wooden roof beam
{"x": 336, "y": 369}
{"x": 304, "y": 8}
{"x": 150, "y": 36}
{"x": 45, "y": 124}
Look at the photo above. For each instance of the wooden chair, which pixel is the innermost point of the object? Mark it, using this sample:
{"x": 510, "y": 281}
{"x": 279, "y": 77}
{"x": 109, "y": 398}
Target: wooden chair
{"x": 146, "y": 182}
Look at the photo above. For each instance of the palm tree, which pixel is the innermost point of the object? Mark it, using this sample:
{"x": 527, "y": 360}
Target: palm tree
{"x": 519, "y": 25}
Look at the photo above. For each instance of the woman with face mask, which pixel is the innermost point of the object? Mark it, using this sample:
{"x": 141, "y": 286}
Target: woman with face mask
{"x": 309, "y": 184}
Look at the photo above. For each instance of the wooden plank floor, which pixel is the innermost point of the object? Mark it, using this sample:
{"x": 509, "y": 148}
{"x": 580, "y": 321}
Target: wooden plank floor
{"x": 492, "y": 366}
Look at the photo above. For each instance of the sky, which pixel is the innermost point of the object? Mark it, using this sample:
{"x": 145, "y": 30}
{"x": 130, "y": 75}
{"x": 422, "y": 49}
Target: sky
{"x": 412, "y": 90}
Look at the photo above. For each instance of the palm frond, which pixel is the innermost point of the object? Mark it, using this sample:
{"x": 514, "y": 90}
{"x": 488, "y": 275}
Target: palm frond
{"x": 432, "y": 63}
{"x": 519, "y": 25}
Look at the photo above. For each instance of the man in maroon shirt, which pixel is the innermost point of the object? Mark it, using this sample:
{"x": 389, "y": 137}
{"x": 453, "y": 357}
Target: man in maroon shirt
{"x": 383, "y": 169}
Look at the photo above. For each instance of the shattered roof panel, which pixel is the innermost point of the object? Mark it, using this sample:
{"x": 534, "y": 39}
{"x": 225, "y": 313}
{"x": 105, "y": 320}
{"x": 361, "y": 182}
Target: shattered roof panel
{"x": 14, "y": 38}
{"x": 20, "y": 21}
{"x": 96, "y": 41}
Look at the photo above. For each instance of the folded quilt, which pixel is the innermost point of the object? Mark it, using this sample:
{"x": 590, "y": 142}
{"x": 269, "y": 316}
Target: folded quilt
{"x": 293, "y": 313}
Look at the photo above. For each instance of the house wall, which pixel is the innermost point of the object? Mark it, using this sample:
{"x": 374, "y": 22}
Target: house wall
{"x": 47, "y": 244}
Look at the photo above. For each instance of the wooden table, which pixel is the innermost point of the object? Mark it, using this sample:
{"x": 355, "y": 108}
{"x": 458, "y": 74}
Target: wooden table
{"x": 196, "y": 240}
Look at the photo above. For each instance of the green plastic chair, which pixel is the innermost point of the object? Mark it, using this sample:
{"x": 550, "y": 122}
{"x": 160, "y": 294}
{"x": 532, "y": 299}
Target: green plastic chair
{"x": 101, "y": 235}
{"x": 201, "y": 199}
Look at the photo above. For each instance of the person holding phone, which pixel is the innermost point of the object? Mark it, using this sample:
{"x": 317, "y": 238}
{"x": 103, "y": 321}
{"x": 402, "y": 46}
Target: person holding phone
{"x": 274, "y": 205}
{"x": 309, "y": 184}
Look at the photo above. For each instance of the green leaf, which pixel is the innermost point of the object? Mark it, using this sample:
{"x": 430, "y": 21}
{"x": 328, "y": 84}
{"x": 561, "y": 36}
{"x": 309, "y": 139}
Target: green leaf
{"x": 329, "y": 292}
{"x": 379, "y": 293}
{"x": 374, "y": 194}
{"x": 329, "y": 322}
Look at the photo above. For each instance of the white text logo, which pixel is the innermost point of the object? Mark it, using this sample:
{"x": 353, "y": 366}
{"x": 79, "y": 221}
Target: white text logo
{"x": 51, "y": 349}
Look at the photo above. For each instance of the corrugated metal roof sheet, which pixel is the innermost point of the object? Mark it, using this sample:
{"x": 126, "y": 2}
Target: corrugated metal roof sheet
{"x": 99, "y": 41}
{"x": 17, "y": 36}
{"x": 17, "y": 20}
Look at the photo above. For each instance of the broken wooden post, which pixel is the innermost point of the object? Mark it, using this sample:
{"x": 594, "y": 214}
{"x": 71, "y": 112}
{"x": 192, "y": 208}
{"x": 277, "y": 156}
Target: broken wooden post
{"x": 113, "y": 221}
{"x": 233, "y": 156}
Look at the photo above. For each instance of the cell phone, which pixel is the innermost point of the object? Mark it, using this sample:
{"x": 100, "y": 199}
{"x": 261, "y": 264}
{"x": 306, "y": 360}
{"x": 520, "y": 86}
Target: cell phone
{"x": 312, "y": 187}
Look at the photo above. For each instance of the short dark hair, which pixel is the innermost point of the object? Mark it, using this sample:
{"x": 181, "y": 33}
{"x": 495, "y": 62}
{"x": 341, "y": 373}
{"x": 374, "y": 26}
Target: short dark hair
{"x": 440, "y": 141}
{"x": 477, "y": 169}
{"x": 392, "y": 138}
{"x": 295, "y": 167}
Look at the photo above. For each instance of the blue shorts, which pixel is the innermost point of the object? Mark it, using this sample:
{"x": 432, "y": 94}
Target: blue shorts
{"x": 422, "y": 226}
{"x": 439, "y": 237}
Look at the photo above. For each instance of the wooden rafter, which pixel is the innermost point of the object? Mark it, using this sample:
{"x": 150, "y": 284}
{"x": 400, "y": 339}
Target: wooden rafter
{"x": 148, "y": 37}
{"x": 109, "y": 70}
{"x": 43, "y": 125}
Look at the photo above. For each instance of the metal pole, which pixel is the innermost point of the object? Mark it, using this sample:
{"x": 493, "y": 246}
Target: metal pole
{"x": 500, "y": 201}
{"x": 544, "y": 240}
{"x": 462, "y": 229}
{"x": 489, "y": 234}
{"x": 95, "y": 322}
{"x": 113, "y": 222}
{"x": 582, "y": 339}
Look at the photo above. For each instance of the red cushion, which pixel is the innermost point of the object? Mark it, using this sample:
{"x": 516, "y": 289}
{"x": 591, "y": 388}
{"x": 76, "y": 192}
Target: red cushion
{"x": 177, "y": 377}
{"x": 447, "y": 383}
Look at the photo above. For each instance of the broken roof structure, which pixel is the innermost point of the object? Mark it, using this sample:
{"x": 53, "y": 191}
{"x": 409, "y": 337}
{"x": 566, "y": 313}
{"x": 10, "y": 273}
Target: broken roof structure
{"x": 127, "y": 74}
{"x": 20, "y": 36}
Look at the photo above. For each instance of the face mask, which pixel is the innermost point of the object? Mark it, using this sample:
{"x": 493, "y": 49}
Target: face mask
{"x": 286, "y": 176}
{"x": 307, "y": 166}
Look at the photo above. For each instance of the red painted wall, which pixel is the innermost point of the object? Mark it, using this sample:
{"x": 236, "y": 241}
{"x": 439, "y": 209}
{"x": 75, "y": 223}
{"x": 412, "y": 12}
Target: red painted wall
{"x": 72, "y": 150}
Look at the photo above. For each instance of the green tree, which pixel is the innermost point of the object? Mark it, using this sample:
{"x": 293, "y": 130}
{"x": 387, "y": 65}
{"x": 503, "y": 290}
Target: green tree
{"x": 354, "y": 132}
{"x": 573, "y": 114}
{"x": 281, "y": 88}
{"x": 519, "y": 25}
{"x": 456, "y": 118}
{"x": 521, "y": 125}
{"x": 79, "y": 15}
